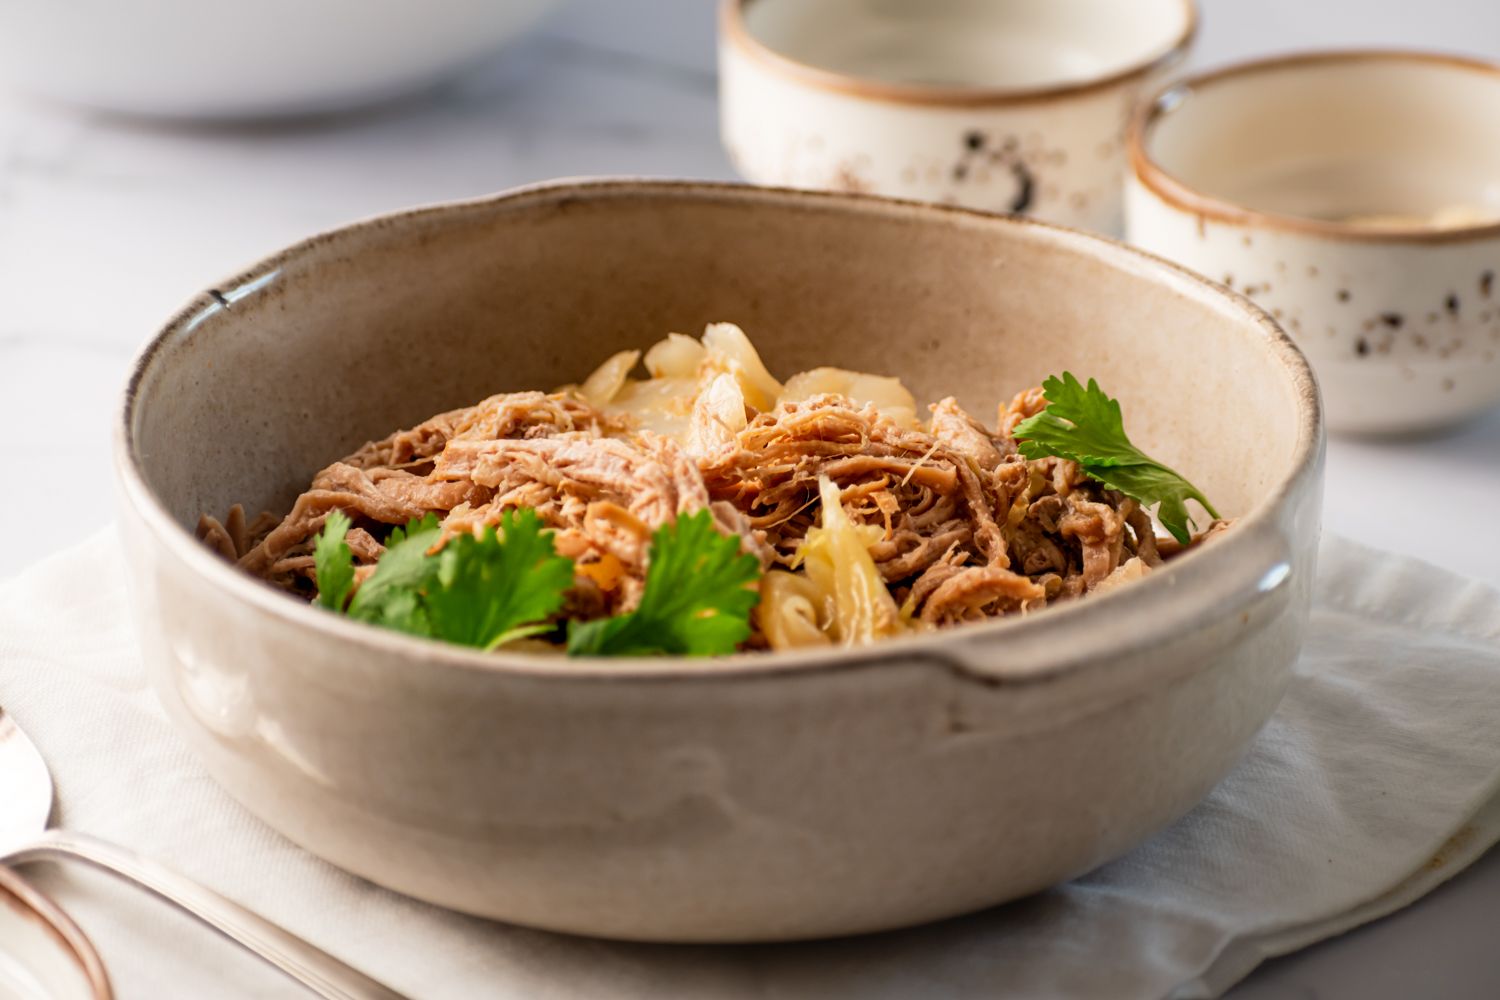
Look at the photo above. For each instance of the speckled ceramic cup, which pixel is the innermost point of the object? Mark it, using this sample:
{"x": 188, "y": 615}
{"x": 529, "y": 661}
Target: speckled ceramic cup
{"x": 1014, "y": 107}
{"x": 1355, "y": 196}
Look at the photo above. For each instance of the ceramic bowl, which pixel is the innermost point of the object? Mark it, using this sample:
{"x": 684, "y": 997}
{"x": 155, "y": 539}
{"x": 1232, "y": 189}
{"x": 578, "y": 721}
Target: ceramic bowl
{"x": 1354, "y": 195}
{"x": 189, "y": 59}
{"x": 1009, "y": 107}
{"x": 43, "y": 954}
{"x": 757, "y": 797}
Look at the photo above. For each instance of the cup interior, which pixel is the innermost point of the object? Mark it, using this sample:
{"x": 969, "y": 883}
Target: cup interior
{"x": 1020, "y": 45}
{"x": 1356, "y": 138}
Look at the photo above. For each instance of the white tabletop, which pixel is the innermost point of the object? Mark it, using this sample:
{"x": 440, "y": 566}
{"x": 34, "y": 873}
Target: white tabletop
{"x": 107, "y": 226}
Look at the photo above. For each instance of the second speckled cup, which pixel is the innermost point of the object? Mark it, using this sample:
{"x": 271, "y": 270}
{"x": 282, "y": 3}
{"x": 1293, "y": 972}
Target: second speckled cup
{"x": 1356, "y": 197}
{"x": 1017, "y": 107}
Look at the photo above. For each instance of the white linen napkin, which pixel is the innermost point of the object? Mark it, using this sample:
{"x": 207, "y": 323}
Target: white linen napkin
{"x": 1377, "y": 779}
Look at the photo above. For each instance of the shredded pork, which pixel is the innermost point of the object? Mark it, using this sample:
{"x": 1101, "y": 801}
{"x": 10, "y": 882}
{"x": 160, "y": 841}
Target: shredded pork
{"x": 968, "y": 528}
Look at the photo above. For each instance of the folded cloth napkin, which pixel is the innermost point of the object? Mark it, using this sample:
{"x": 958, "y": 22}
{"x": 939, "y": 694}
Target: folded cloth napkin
{"x": 1376, "y": 779}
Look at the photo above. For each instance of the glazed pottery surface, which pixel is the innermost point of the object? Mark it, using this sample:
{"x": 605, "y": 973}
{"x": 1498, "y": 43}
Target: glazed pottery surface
{"x": 1015, "y": 107}
{"x": 1355, "y": 196}
{"x": 756, "y": 797}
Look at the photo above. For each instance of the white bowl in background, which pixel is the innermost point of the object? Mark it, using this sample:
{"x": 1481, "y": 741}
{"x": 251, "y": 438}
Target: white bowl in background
{"x": 188, "y": 59}
{"x": 1017, "y": 107}
{"x": 1356, "y": 197}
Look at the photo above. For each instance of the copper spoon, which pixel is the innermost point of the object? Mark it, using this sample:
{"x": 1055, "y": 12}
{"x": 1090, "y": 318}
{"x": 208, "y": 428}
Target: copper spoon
{"x": 25, "y": 808}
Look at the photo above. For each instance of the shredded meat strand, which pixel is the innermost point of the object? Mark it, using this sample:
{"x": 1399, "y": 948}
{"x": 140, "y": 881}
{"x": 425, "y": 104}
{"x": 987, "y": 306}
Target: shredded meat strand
{"x": 969, "y": 529}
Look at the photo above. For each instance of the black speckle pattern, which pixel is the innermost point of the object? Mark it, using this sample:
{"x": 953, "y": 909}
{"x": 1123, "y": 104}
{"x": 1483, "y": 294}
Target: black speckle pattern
{"x": 1344, "y": 295}
{"x": 1025, "y": 189}
{"x": 1005, "y": 154}
{"x": 1452, "y": 305}
{"x": 1487, "y": 283}
{"x": 1362, "y": 347}
{"x": 1393, "y": 320}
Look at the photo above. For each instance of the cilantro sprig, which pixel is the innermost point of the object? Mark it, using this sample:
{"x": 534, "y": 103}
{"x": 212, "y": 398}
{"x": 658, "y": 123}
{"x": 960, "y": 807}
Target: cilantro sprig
{"x": 334, "y": 562}
{"x": 392, "y": 597}
{"x": 486, "y": 591}
{"x": 696, "y": 601}
{"x": 477, "y": 591}
{"x": 1084, "y": 424}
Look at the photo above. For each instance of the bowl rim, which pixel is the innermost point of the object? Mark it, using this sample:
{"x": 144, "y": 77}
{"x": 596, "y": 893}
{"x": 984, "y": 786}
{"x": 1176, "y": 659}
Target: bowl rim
{"x": 1181, "y": 195}
{"x": 31, "y": 901}
{"x": 1255, "y": 543}
{"x": 734, "y": 31}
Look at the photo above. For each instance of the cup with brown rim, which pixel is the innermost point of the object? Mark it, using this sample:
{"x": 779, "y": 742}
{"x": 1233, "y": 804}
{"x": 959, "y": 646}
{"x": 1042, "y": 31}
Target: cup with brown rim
{"x": 1356, "y": 197}
{"x": 1017, "y": 107}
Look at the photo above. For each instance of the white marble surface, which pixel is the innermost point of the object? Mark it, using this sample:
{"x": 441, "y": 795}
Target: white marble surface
{"x": 106, "y": 226}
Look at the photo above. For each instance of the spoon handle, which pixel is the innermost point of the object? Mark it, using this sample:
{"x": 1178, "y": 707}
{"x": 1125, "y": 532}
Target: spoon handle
{"x": 309, "y": 965}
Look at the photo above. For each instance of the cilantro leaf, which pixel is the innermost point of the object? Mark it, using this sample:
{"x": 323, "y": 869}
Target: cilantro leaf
{"x": 333, "y": 561}
{"x": 480, "y": 592}
{"x": 1085, "y": 425}
{"x": 392, "y": 595}
{"x": 492, "y": 589}
{"x": 485, "y": 591}
{"x": 1080, "y": 423}
{"x": 696, "y": 601}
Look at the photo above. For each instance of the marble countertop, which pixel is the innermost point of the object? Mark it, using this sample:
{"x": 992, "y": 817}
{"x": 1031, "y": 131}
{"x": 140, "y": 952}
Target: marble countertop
{"x": 106, "y": 226}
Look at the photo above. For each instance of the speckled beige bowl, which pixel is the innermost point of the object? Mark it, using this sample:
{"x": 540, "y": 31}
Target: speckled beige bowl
{"x": 757, "y": 797}
{"x": 1355, "y": 196}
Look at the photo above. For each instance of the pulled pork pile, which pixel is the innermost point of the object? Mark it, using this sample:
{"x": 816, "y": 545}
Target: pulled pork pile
{"x": 603, "y": 494}
{"x": 968, "y": 528}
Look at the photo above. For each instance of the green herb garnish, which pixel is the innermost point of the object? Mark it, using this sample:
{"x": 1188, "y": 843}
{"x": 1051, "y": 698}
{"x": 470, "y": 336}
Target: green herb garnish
{"x": 492, "y": 589}
{"x": 486, "y": 591}
{"x": 477, "y": 591}
{"x": 1085, "y": 425}
{"x": 334, "y": 562}
{"x": 392, "y": 596}
{"x": 696, "y": 602}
